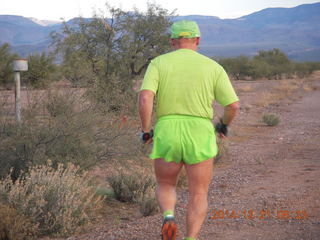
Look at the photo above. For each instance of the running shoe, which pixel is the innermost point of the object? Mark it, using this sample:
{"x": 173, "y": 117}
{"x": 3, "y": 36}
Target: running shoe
{"x": 169, "y": 229}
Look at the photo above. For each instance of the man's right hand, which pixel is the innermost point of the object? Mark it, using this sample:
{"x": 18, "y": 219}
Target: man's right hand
{"x": 147, "y": 137}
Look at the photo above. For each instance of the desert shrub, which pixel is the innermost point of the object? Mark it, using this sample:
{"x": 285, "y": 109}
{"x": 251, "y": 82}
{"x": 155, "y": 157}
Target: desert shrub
{"x": 271, "y": 64}
{"x": 113, "y": 97}
{"x": 14, "y": 225}
{"x": 277, "y": 61}
{"x": 58, "y": 201}
{"x": 121, "y": 44}
{"x": 260, "y": 69}
{"x": 6, "y": 59}
{"x": 63, "y": 126}
{"x": 29, "y": 145}
{"x": 108, "y": 194}
{"x": 40, "y": 70}
{"x": 239, "y": 67}
{"x": 60, "y": 104}
{"x": 270, "y": 119}
{"x": 51, "y": 129}
{"x": 149, "y": 207}
{"x": 302, "y": 69}
{"x": 77, "y": 69}
{"x": 134, "y": 187}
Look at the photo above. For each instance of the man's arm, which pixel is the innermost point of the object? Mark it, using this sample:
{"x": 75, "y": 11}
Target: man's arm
{"x": 230, "y": 112}
{"x": 145, "y": 109}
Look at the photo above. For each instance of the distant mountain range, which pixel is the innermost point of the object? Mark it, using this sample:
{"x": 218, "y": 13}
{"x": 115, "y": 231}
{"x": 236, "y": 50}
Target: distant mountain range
{"x": 296, "y": 31}
{"x": 45, "y": 22}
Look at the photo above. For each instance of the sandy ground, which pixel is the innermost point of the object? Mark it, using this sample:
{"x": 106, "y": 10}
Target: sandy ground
{"x": 267, "y": 187}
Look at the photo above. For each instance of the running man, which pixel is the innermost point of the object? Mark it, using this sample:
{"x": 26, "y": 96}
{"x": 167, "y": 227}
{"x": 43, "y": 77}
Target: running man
{"x": 185, "y": 85}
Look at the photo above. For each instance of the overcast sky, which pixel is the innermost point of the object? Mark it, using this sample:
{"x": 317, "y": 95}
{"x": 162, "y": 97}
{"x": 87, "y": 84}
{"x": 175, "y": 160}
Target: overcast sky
{"x": 67, "y": 9}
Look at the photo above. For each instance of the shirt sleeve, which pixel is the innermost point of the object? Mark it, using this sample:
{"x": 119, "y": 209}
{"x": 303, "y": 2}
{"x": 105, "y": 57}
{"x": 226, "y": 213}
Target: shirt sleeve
{"x": 151, "y": 78}
{"x": 224, "y": 92}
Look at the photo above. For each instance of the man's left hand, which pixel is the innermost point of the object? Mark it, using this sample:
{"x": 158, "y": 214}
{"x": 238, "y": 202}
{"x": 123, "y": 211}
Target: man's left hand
{"x": 222, "y": 129}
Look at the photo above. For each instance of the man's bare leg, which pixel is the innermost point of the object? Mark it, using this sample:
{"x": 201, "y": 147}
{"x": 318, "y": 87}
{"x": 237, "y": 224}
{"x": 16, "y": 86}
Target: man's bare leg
{"x": 166, "y": 175}
{"x": 199, "y": 178}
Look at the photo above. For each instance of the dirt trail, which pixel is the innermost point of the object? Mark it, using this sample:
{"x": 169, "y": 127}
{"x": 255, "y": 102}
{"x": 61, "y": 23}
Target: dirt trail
{"x": 279, "y": 170}
{"x": 267, "y": 188}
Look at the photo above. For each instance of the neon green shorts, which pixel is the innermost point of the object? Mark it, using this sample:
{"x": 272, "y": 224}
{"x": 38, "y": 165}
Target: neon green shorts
{"x": 184, "y": 138}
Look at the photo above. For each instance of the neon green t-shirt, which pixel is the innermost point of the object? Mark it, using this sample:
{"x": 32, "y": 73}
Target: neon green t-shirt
{"x": 186, "y": 82}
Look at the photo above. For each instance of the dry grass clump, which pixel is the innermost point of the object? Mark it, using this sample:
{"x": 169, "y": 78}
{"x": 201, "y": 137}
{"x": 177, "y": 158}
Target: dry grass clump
{"x": 309, "y": 88}
{"x": 270, "y": 119}
{"x": 132, "y": 187}
{"x": 287, "y": 86}
{"x": 245, "y": 88}
{"x": 137, "y": 188}
{"x": 269, "y": 98}
{"x": 14, "y": 225}
{"x": 283, "y": 90}
{"x": 58, "y": 201}
{"x": 149, "y": 207}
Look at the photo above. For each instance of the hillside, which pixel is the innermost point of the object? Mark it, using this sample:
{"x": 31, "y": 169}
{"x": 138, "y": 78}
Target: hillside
{"x": 293, "y": 30}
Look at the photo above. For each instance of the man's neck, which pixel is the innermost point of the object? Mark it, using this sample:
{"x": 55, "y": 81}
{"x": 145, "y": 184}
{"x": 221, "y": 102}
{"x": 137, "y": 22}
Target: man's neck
{"x": 194, "y": 48}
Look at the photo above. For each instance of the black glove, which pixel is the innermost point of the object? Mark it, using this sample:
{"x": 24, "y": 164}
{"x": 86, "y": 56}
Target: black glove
{"x": 222, "y": 128}
{"x": 145, "y": 136}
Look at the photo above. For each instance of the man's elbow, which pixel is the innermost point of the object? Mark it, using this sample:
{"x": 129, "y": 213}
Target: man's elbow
{"x": 145, "y": 97}
{"x": 234, "y": 106}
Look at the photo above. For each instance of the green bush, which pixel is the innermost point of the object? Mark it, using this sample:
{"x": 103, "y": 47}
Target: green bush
{"x": 271, "y": 64}
{"x": 239, "y": 67}
{"x": 134, "y": 187}
{"x": 40, "y": 70}
{"x": 51, "y": 128}
{"x": 59, "y": 104}
{"x": 122, "y": 46}
{"x": 58, "y": 201}
{"x": 270, "y": 119}
{"x": 6, "y": 59}
{"x": 278, "y": 63}
{"x": 113, "y": 97}
{"x": 302, "y": 69}
{"x": 65, "y": 126}
{"x": 108, "y": 194}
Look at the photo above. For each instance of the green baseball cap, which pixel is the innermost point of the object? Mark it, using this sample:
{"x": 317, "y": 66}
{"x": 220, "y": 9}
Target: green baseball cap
{"x": 185, "y": 29}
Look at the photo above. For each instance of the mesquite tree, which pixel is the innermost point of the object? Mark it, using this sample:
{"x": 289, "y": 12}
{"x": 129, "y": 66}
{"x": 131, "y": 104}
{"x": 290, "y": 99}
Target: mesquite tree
{"x": 120, "y": 45}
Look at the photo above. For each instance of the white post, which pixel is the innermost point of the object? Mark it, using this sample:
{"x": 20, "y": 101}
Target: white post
{"x": 18, "y": 66}
{"x": 17, "y": 94}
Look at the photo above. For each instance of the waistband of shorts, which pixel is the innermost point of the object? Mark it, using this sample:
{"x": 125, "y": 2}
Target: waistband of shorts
{"x": 183, "y": 117}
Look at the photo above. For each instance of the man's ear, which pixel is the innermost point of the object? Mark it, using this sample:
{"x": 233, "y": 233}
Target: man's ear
{"x": 197, "y": 41}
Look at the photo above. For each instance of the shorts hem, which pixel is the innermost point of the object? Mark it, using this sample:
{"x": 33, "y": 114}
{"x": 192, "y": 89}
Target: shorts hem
{"x": 179, "y": 161}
